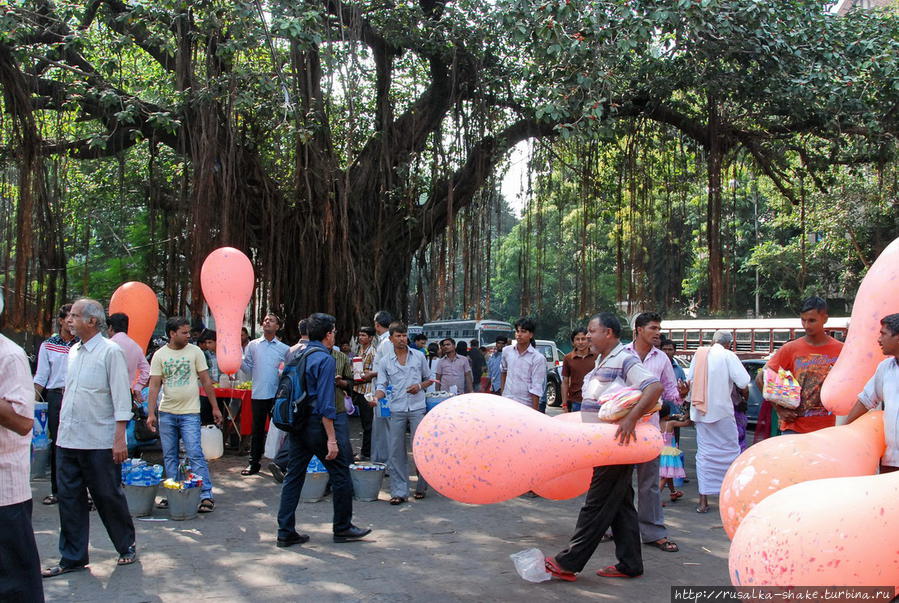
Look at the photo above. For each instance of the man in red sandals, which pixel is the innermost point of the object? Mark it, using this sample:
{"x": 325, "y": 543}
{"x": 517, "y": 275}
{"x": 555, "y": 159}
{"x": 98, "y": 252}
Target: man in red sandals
{"x": 610, "y": 499}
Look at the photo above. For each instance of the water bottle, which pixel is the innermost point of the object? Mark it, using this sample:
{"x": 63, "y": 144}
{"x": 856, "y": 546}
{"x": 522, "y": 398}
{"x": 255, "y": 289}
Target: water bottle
{"x": 384, "y": 403}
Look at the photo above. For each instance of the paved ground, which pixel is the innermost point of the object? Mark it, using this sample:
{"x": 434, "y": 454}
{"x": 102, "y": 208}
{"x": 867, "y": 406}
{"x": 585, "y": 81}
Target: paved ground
{"x": 429, "y": 550}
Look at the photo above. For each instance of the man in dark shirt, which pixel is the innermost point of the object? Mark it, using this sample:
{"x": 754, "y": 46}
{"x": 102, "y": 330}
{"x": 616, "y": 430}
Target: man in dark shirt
{"x": 575, "y": 366}
{"x": 318, "y": 437}
{"x": 478, "y": 363}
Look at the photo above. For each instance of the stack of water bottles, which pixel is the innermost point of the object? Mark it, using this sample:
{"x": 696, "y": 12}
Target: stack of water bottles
{"x": 136, "y": 472}
{"x": 315, "y": 466}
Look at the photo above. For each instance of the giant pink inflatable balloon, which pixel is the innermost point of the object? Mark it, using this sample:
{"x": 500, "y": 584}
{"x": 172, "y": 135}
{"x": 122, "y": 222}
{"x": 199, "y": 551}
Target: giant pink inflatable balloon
{"x": 876, "y": 297}
{"x": 827, "y": 532}
{"x": 227, "y": 280}
{"x": 570, "y": 485}
{"x": 139, "y": 302}
{"x": 775, "y": 463}
{"x": 481, "y": 448}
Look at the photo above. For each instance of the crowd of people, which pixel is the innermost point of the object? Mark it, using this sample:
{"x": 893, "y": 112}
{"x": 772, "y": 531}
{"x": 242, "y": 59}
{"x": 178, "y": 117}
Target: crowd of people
{"x": 92, "y": 384}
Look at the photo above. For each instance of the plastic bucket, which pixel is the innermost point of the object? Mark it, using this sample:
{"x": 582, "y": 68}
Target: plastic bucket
{"x": 183, "y": 503}
{"x": 314, "y": 487}
{"x": 141, "y": 499}
{"x": 367, "y": 478}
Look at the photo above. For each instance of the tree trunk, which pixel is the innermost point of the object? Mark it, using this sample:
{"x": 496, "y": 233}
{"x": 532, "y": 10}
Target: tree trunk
{"x": 714, "y": 162}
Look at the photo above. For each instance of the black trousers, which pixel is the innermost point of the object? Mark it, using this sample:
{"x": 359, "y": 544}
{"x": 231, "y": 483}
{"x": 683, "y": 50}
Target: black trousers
{"x": 366, "y": 415}
{"x": 609, "y": 503}
{"x": 262, "y": 409}
{"x": 53, "y": 397}
{"x": 20, "y": 565}
{"x": 94, "y": 470}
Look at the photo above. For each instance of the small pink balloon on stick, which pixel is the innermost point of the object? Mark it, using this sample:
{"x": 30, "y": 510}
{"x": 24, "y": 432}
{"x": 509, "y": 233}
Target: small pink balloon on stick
{"x": 227, "y": 281}
{"x": 139, "y": 303}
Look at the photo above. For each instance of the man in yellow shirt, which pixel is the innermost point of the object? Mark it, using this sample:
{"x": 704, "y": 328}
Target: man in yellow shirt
{"x": 178, "y": 367}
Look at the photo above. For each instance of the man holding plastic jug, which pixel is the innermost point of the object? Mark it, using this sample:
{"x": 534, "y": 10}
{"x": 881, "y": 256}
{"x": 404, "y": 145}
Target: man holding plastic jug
{"x": 406, "y": 370}
{"x": 177, "y": 367}
{"x": 96, "y": 408}
{"x": 20, "y": 571}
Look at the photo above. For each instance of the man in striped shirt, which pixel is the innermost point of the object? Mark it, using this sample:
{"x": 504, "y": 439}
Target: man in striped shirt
{"x": 50, "y": 383}
{"x": 20, "y": 565}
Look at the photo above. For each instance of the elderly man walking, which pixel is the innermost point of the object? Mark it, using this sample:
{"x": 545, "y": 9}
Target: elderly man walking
{"x": 20, "y": 566}
{"x": 96, "y": 409}
{"x": 713, "y": 373}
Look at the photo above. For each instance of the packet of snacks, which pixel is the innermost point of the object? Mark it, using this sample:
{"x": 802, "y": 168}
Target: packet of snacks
{"x": 616, "y": 404}
{"x": 781, "y": 388}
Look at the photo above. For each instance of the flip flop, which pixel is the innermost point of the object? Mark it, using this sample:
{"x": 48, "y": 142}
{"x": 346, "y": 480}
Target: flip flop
{"x": 418, "y": 495}
{"x": 664, "y": 545}
{"x": 207, "y": 505}
{"x": 556, "y": 570}
{"x": 59, "y": 570}
{"x": 397, "y": 500}
{"x": 128, "y": 558}
{"x": 676, "y": 495}
{"x": 50, "y": 499}
{"x": 163, "y": 504}
{"x": 704, "y": 509}
{"x": 613, "y": 572}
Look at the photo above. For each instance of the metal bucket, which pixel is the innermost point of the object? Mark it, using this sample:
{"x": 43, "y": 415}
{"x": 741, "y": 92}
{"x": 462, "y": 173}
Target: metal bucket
{"x": 367, "y": 478}
{"x": 141, "y": 499}
{"x": 314, "y": 487}
{"x": 183, "y": 503}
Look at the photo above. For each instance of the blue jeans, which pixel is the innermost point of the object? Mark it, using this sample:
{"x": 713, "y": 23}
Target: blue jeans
{"x": 314, "y": 441}
{"x": 173, "y": 427}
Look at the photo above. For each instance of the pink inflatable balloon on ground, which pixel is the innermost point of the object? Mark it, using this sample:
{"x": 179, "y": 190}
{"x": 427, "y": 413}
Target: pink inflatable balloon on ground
{"x": 826, "y": 532}
{"x": 227, "y": 280}
{"x": 876, "y": 298}
{"x": 481, "y": 448}
{"x": 139, "y": 302}
{"x": 775, "y": 463}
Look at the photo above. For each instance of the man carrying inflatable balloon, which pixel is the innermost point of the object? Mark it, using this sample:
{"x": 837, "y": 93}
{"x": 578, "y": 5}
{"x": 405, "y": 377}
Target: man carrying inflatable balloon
{"x": 610, "y": 499}
{"x": 884, "y": 387}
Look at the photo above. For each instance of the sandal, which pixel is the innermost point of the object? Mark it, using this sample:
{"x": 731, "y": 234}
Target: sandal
{"x": 129, "y": 557}
{"x": 397, "y": 500}
{"x": 556, "y": 570}
{"x": 59, "y": 570}
{"x": 613, "y": 572}
{"x": 207, "y": 505}
{"x": 163, "y": 504}
{"x": 676, "y": 495}
{"x": 50, "y": 499}
{"x": 704, "y": 509}
{"x": 664, "y": 545}
{"x": 418, "y": 495}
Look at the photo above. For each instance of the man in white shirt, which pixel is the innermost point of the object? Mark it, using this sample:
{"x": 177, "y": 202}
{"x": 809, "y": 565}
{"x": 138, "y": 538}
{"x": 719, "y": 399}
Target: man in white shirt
{"x": 883, "y": 388}
{"x": 20, "y": 565}
{"x": 712, "y": 411}
{"x": 96, "y": 409}
{"x": 523, "y": 367}
{"x": 50, "y": 383}
{"x": 380, "y": 426}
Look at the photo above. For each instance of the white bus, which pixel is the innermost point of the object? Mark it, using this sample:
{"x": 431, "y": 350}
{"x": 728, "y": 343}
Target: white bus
{"x": 753, "y": 338}
{"x": 485, "y": 331}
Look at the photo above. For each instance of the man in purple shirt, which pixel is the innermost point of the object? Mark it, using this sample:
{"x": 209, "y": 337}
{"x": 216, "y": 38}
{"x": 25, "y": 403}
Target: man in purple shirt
{"x": 138, "y": 367}
{"x": 647, "y": 338}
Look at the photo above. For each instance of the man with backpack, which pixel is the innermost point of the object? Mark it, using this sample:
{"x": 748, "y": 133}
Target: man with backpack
{"x": 312, "y": 433}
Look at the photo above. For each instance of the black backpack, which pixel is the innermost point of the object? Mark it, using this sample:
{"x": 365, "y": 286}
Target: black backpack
{"x": 293, "y": 404}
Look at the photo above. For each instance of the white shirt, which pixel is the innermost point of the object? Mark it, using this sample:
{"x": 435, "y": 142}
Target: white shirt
{"x": 525, "y": 373}
{"x": 15, "y": 450}
{"x": 383, "y": 347}
{"x": 725, "y": 370}
{"x": 98, "y": 394}
{"x": 884, "y": 387}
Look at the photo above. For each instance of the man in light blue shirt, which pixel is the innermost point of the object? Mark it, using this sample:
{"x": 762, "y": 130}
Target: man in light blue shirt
{"x": 495, "y": 365}
{"x": 407, "y": 374}
{"x": 262, "y": 359}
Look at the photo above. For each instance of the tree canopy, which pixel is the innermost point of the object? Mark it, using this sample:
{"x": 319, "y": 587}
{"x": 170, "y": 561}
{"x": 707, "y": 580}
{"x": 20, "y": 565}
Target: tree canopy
{"x": 351, "y": 148}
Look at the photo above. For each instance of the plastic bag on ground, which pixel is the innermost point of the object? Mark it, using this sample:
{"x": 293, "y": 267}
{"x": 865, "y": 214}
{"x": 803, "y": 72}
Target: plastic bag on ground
{"x": 531, "y": 565}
